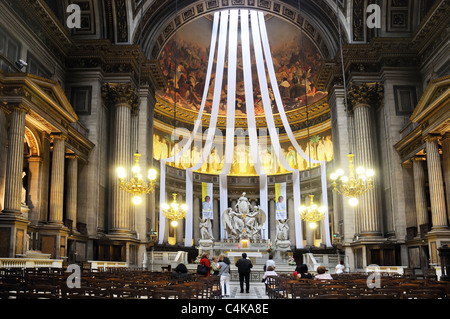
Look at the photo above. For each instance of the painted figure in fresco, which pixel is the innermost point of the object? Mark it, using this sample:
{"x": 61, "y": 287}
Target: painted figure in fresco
{"x": 156, "y": 147}
{"x": 321, "y": 150}
{"x": 328, "y": 148}
{"x": 164, "y": 148}
{"x": 291, "y": 157}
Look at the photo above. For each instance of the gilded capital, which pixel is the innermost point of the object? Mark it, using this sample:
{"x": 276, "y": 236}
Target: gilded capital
{"x": 10, "y": 107}
{"x": 72, "y": 156}
{"x": 432, "y": 138}
{"x": 59, "y": 137}
{"x": 120, "y": 94}
{"x": 365, "y": 94}
{"x": 418, "y": 159}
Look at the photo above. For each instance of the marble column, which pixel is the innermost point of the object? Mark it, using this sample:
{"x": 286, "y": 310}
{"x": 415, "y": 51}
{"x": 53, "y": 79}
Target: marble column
{"x": 436, "y": 184}
{"x": 181, "y": 225}
{"x": 272, "y": 221}
{"x": 446, "y": 167}
{"x": 57, "y": 180}
{"x": 216, "y": 220}
{"x": 14, "y": 166}
{"x": 123, "y": 99}
{"x": 363, "y": 97}
{"x": 309, "y": 231}
{"x": 196, "y": 214}
{"x": 420, "y": 192}
{"x": 291, "y": 219}
{"x": 72, "y": 190}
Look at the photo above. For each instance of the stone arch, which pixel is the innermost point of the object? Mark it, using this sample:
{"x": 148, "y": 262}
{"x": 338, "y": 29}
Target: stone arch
{"x": 33, "y": 142}
{"x": 159, "y": 22}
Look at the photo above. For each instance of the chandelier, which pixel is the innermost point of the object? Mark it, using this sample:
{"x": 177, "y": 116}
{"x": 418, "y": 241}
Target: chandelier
{"x": 174, "y": 211}
{"x": 136, "y": 186}
{"x": 354, "y": 185}
{"x": 312, "y": 214}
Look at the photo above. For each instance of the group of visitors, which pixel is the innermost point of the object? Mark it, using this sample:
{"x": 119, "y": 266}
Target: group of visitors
{"x": 301, "y": 271}
{"x": 217, "y": 266}
{"x": 220, "y": 266}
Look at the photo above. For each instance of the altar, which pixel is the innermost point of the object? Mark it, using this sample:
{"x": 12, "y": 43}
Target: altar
{"x": 235, "y": 256}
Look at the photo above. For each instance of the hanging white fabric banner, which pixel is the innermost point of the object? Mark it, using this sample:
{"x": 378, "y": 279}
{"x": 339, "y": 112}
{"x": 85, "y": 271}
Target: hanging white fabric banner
{"x": 251, "y": 122}
{"x": 272, "y": 128}
{"x": 187, "y": 146}
{"x": 231, "y": 100}
{"x": 210, "y": 139}
{"x": 280, "y": 106}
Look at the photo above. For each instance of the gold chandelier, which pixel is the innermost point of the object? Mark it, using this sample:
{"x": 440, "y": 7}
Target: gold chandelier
{"x": 136, "y": 186}
{"x": 353, "y": 186}
{"x": 312, "y": 214}
{"x": 174, "y": 211}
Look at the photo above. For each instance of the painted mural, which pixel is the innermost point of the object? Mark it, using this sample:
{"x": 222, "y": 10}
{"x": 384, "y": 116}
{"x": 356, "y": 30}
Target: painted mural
{"x": 184, "y": 61}
{"x": 320, "y": 147}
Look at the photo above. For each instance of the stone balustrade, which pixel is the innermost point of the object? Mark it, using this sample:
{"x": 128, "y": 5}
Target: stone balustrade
{"x": 25, "y": 263}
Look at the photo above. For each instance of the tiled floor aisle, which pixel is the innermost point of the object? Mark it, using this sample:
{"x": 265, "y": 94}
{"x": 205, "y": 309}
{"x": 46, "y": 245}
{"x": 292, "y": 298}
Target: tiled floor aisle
{"x": 257, "y": 291}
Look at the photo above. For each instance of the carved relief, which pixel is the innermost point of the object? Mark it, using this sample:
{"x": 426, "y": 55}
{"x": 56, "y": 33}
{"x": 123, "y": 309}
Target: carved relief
{"x": 365, "y": 94}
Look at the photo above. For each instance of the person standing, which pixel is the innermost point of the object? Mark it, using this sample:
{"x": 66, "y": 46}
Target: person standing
{"x": 206, "y": 263}
{"x": 340, "y": 268}
{"x": 244, "y": 266}
{"x": 225, "y": 276}
{"x": 269, "y": 262}
{"x": 215, "y": 266}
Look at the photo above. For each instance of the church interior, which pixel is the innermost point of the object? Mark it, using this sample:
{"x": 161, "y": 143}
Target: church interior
{"x": 138, "y": 135}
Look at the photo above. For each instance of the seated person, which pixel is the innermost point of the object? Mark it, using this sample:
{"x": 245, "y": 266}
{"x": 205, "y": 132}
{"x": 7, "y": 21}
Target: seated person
{"x": 181, "y": 273}
{"x": 270, "y": 272}
{"x": 301, "y": 272}
{"x": 322, "y": 275}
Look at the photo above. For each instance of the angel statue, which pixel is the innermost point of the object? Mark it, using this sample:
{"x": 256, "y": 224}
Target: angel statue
{"x": 255, "y": 221}
{"x": 205, "y": 229}
{"x": 282, "y": 230}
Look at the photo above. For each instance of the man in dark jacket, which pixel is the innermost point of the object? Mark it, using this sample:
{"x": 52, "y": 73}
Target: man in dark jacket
{"x": 244, "y": 265}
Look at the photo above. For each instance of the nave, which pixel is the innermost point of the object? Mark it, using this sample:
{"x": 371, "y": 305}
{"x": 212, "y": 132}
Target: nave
{"x": 32, "y": 284}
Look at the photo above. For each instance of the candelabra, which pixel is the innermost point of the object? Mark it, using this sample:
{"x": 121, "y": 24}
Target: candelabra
{"x": 353, "y": 186}
{"x": 136, "y": 186}
{"x": 174, "y": 211}
{"x": 312, "y": 214}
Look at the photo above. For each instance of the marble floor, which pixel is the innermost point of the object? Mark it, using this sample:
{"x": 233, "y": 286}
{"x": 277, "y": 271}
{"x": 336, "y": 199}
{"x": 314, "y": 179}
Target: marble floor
{"x": 257, "y": 291}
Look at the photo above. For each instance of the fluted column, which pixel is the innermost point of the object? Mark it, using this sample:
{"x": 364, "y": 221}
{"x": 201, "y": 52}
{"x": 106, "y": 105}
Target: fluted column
{"x": 181, "y": 226}
{"x": 446, "y": 167}
{"x": 362, "y": 98}
{"x": 272, "y": 221}
{"x": 420, "y": 192}
{"x": 436, "y": 184}
{"x": 308, "y": 230}
{"x": 123, "y": 99}
{"x": 57, "y": 180}
{"x": 216, "y": 220}
{"x": 196, "y": 213}
{"x": 291, "y": 219}
{"x": 14, "y": 166}
{"x": 72, "y": 190}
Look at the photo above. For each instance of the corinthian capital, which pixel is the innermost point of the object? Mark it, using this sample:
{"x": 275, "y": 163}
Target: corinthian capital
{"x": 123, "y": 94}
{"x": 365, "y": 94}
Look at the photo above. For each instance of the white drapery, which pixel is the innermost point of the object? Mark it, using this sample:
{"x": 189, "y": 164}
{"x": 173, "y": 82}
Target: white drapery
{"x": 279, "y": 103}
{"x": 187, "y": 146}
{"x": 231, "y": 111}
{"x": 251, "y": 122}
{"x": 261, "y": 49}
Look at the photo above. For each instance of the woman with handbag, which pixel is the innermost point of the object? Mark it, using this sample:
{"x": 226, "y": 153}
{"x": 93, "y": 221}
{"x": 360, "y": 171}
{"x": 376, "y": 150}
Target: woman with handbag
{"x": 205, "y": 265}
